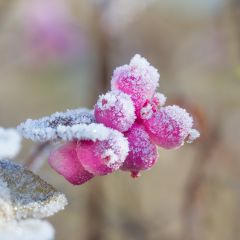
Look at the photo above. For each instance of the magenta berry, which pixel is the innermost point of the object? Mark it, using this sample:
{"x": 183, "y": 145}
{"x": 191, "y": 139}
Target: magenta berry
{"x": 151, "y": 106}
{"x": 103, "y": 157}
{"x": 64, "y": 160}
{"x": 169, "y": 126}
{"x": 142, "y": 152}
{"x": 115, "y": 110}
{"x": 138, "y": 79}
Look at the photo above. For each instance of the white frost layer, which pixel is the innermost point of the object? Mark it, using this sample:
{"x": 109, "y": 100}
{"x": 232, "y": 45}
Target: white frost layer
{"x": 30, "y": 229}
{"x": 51, "y": 127}
{"x": 30, "y": 196}
{"x": 92, "y": 132}
{"x": 10, "y": 143}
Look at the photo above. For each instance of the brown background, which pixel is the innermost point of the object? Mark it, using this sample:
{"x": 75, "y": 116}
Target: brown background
{"x": 192, "y": 193}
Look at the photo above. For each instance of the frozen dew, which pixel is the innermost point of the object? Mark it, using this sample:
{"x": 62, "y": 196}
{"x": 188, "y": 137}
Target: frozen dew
{"x": 10, "y": 143}
{"x": 30, "y": 196}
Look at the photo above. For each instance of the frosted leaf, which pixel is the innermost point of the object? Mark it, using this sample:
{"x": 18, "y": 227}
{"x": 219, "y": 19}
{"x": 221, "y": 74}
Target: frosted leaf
{"x": 93, "y": 131}
{"x": 46, "y": 128}
{"x": 10, "y": 143}
{"x": 30, "y": 196}
{"x": 31, "y": 229}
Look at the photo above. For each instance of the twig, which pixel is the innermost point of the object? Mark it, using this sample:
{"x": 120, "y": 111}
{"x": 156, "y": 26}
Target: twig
{"x": 34, "y": 159}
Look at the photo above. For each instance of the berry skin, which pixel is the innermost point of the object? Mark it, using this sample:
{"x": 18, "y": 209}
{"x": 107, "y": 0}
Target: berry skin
{"x": 138, "y": 79}
{"x": 142, "y": 151}
{"x": 64, "y": 160}
{"x": 169, "y": 126}
{"x": 115, "y": 110}
{"x": 103, "y": 157}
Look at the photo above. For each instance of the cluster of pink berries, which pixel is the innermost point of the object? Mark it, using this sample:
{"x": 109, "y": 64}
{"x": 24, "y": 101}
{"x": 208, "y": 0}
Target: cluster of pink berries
{"x": 134, "y": 108}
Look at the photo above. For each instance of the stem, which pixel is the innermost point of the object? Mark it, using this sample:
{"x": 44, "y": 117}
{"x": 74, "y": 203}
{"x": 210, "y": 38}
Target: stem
{"x": 34, "y": 161}
{"x": 96, "y": 201}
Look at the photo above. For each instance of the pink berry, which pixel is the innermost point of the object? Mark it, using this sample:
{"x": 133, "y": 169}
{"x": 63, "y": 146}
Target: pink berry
{"x": 103, "y": 157}
{"x": 115, "y": 110}
{"x": 64, "y": 160}
{"x": 138, "y": 79}
{"x": 151, "y": 106}
{"x": 169, "y": 126}
{"x": 142, "y": 152}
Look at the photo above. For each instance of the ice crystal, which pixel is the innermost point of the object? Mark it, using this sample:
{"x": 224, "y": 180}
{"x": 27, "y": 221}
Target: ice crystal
{"x": 30, "y": 196}
{"x": 10, "y": 143}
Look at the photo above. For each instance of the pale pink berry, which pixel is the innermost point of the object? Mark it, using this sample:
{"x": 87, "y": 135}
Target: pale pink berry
{"x": 115, "y": 110}
{"x": 138, "y": 79}
{"x": 142, "y": 151}
{"x": 169, "y": 126}
{"x": 103, "y": 157}
{"x": 64, "y": 160}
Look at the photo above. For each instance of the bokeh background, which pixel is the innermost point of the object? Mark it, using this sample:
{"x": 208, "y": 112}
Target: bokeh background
{"x": 57, "y": 55}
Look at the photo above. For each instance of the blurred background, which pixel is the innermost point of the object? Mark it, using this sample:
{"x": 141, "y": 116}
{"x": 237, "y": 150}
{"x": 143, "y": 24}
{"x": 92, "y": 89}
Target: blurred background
{"x": 57, "y": 55}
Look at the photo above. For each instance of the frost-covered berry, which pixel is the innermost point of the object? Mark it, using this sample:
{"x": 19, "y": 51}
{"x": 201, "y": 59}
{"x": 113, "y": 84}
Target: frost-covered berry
{"x": 65, "y": 161}
{"x": 115, "y": 110}
{"x": 151, "y": 106}
{"x": 142, "y": 151}
{"x": 138, "y": 79}
{"x": 169, "y": 126}
{"x": 159, "y": 100}
{"x": 103, "y": 157}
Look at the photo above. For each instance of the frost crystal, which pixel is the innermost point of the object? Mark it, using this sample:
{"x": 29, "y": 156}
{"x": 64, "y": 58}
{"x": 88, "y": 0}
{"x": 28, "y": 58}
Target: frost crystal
{"x": 10, "y": 143}
{"x": 31, "y": 229}
{"x": 30, "y": 196}
{"x": 53, "y": 126}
